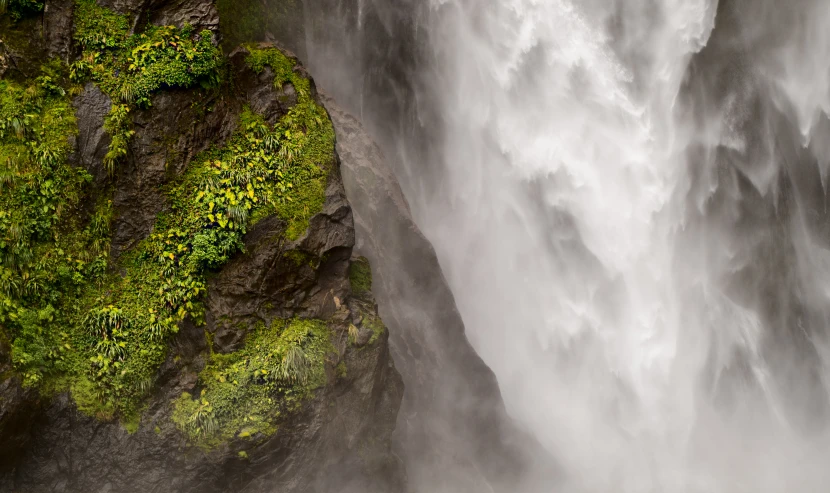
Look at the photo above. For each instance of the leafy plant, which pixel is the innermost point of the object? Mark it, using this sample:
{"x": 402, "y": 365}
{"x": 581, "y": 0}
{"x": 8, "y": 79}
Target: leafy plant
{"x": 119, "y": 126}
{"x": 46, "y": 253}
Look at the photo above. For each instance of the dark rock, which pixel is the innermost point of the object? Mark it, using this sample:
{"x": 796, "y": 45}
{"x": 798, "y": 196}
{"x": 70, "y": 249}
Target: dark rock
{"x": 24, "y": 47}
{"x": 363, "y": 336}
{"x": 5, "y": 59}
{"x": 265, "y": 283}
{"x": 178, "y": 126}
{"x": 19, "y": 408}
{"x": 57, "y": 27}
{"x": 339, "y": 442}
{"x": 198, "y": 13}
{"x": 32, "y": 41}
{"x": 130, "y": 7}
{"x": 91, "y": 107}
{"x": 258, "y": 89}
{"x": 201, "y": 14}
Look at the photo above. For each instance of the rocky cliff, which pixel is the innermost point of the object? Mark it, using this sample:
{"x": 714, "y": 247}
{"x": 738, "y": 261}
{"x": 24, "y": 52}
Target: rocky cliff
{"x": 180, "y": 308}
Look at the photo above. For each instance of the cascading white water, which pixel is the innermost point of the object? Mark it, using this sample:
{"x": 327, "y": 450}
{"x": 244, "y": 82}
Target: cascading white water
{"x": 609, "y": 215}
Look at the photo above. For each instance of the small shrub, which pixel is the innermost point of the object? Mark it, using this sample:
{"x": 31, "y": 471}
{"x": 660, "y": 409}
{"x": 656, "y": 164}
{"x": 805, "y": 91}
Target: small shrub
{"x": 119, "y": 126}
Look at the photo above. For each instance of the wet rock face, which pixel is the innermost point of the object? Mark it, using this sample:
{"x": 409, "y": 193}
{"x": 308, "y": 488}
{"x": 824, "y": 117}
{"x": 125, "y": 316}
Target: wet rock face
{"x": 57, "y": 28}
{"x": 339, "y": 440}
{"x": 168, "y": 135}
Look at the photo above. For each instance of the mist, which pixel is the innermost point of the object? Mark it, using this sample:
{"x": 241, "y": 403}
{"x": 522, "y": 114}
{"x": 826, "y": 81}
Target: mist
{"x": 628, "y": 201}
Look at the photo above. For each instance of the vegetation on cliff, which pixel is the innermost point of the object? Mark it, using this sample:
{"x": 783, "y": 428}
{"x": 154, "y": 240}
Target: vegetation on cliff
{"x": 360, "y": 276}
{"x": 130, "y": 68}
{"x": 79, "y": 320}
{"x": 51, "y": 247}
{"x": 243, "y": 393}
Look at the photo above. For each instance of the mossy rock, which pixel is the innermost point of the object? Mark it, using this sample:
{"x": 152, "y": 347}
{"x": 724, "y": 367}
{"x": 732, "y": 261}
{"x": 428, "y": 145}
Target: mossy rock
{"x": 360, "y": 276}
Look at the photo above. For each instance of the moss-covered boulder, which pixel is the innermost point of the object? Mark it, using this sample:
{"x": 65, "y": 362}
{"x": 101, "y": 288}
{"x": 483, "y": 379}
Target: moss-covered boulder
{"x": 176, "y": 312}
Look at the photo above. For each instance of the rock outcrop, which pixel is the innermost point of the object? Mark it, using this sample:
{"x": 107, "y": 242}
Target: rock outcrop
{"x": 338, "y": 438}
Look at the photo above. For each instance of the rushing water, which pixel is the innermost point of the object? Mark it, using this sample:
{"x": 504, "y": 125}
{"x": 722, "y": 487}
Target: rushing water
{"x": 636, "y": 231}
{"x": 628, "y": 198}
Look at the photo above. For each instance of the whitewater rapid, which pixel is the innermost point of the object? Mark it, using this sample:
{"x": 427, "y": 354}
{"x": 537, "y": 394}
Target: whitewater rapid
{"x": 630, "y": 210}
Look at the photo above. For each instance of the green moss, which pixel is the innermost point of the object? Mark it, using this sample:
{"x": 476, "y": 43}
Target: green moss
{"x": 98, "y": 27}
{"x": 49, "y": 248}
{"x": 360, "y": 276}
{"x": 132, "y": 422}
{"x": 85, "y": 395}
{"x": 301, "y": 259}
{"x": 342, "y": 371}
{"x": 244, "y": 393}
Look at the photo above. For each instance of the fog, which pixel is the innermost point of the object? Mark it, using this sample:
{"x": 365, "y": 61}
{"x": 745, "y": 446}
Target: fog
{"x": 628, "y": 199}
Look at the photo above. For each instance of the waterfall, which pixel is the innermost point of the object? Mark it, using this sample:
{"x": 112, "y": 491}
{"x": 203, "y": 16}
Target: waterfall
{"x": 628, "y": 198}
{"x": 632, "y": 217}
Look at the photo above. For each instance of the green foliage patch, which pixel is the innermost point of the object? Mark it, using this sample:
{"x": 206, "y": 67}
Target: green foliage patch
{"x": 163, "y": 278}
{"x": 244, "y": 392}
{"x": 130, "y": 68}
{"x": 360, "y": 276}
{"x": 77, "y": 322}
{"x": 51, "y": 248}
{"x": 308, "y": 142}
